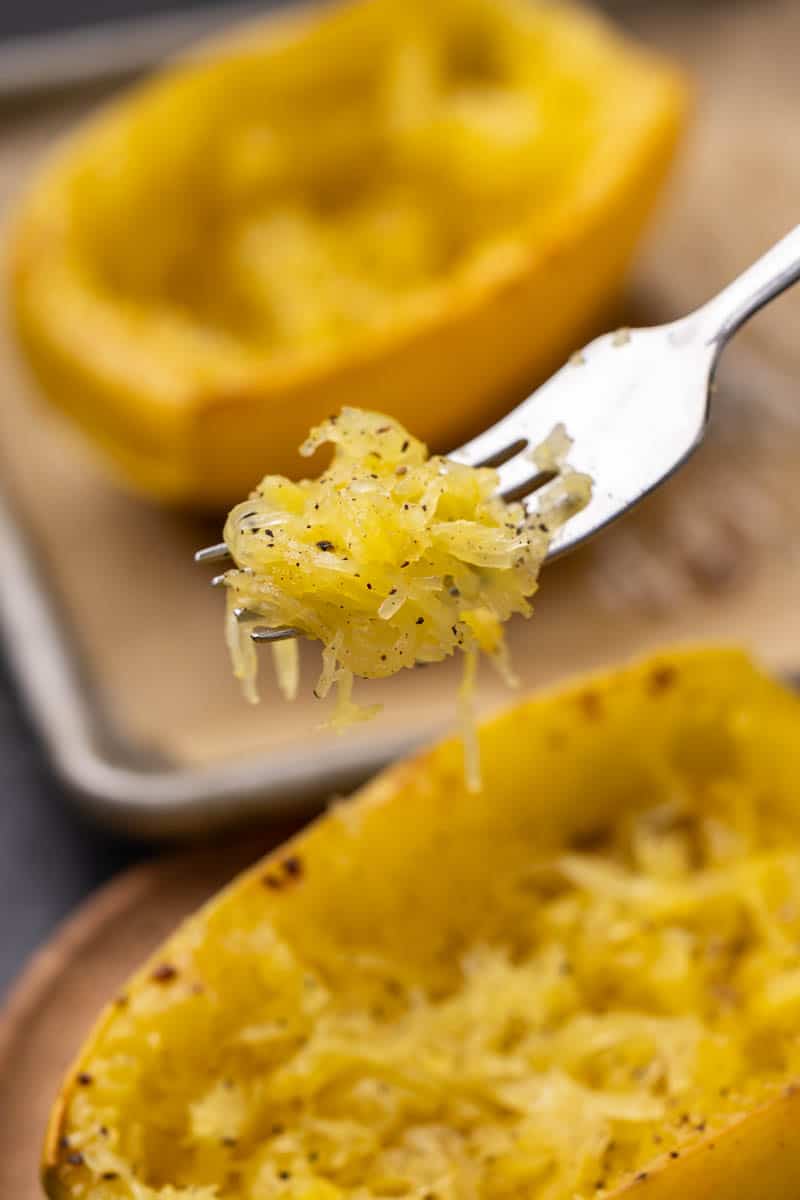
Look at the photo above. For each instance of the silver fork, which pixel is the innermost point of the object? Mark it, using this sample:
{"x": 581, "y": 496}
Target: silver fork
{"x": 635, "y": 404}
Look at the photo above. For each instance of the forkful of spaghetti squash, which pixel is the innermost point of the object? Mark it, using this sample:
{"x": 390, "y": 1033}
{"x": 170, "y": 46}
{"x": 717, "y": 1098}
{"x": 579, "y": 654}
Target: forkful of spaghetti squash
{"x": 390, "y": 558}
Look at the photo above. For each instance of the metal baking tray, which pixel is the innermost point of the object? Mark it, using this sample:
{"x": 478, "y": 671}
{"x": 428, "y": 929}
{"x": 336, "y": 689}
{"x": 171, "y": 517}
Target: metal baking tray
{"x": 115, "y": 639}
{"x": 113, "y": 781}
{"x": 110, "y": 48}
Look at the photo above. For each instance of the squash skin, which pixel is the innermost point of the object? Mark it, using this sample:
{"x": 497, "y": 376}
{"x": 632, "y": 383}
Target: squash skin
{"x": 445, "y": 373}
{"x": 581, "y": 746}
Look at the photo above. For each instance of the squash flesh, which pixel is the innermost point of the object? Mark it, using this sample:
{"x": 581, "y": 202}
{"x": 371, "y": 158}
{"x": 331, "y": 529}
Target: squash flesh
{"x": 613, "y": 994}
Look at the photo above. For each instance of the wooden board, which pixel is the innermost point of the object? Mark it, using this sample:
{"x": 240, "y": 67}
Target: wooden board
{"x": 67, "y": 982}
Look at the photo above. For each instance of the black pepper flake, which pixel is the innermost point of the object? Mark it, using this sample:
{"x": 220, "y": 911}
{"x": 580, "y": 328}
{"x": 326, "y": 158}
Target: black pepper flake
{"x": 103, "y": 1131}
{"x": 164, "y": 973}
{"x": 599, "y": 1184}
{"x": 313, "y": 1156}
{"x": 284, "y": 1175}
{"x": 640, "y": 1178}
{"x": 276, "y": 1130}
{"x": 383, "y": 658}
{"x": 230, "y": 1141}
{"x": 420, "y": 620}
{"x": 293, "y": 866}
{"x": 404, "y": 564}
{"x": 109, "y": 1175}
{"x": 392, "y": 591}
{"x": 325, "y": 545}
{"x": 76, "y": 1159}
{"x": 369, "y": 587}
{"x": 404, "y": 446}
{"x": 63, "y": 1142}
{"x": 383, "y": 429}
{"x": 84, "y": 1078}
{"x": 272, "y": 881}
{"x": 454, "y": 591}
{"x": 247, "y": 516}
{"x": 674, "y": 1154}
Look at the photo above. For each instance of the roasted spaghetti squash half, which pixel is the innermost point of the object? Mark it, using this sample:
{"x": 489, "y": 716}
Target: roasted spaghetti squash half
{"x": 581, "y": 982}
{"x": 422, "y": 205}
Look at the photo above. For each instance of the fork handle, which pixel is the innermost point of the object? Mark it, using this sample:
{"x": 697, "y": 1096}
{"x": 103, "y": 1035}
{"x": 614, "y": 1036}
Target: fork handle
{"x": 770, "y": 275}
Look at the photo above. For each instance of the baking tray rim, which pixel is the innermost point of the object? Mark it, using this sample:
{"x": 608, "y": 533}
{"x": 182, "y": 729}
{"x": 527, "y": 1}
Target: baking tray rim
{"x": 111, "y": 781}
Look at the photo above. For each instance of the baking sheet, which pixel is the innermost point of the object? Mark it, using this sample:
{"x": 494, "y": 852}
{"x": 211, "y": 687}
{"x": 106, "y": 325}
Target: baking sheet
{"x": 117, "y": 640}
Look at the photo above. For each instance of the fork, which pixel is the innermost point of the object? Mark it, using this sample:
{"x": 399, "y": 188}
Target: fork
{"x": 635, "y": 404}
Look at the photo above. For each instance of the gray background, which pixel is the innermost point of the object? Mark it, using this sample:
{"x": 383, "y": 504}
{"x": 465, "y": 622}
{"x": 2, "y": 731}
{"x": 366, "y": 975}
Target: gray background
{"x": 49, "y": 858}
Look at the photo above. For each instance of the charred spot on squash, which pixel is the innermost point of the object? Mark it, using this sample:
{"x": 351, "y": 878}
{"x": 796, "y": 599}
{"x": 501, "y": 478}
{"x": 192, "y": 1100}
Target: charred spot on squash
{"x": 591, "y": 705}
{"x": 164, "y": 973}
{"x": 287, "y": 872}
{"x": 661, "y": 679}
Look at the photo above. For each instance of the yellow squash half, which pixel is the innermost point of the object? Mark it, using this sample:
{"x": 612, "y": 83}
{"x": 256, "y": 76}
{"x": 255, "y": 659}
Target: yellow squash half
{"x": 421, "y": 206}
{"x": 580, "y": 982}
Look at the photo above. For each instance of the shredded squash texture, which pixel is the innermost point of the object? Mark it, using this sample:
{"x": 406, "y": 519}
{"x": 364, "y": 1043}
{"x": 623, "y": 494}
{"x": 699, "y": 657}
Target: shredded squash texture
{"x": 648, "y": 993}
{"x": 296, "y": 206}
{"x": 390, "y": 558}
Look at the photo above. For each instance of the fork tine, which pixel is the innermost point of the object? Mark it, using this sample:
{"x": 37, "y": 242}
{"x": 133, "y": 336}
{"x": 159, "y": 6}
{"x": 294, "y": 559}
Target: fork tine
{"x": 532, "y": 481}
{"x": 212, "y": 553}
{"x": 245, "y": 614}
{"x": 273, "y": 635}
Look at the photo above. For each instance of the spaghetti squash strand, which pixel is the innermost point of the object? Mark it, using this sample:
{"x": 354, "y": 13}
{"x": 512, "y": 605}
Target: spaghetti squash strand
{"x": 391, "y": 557}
